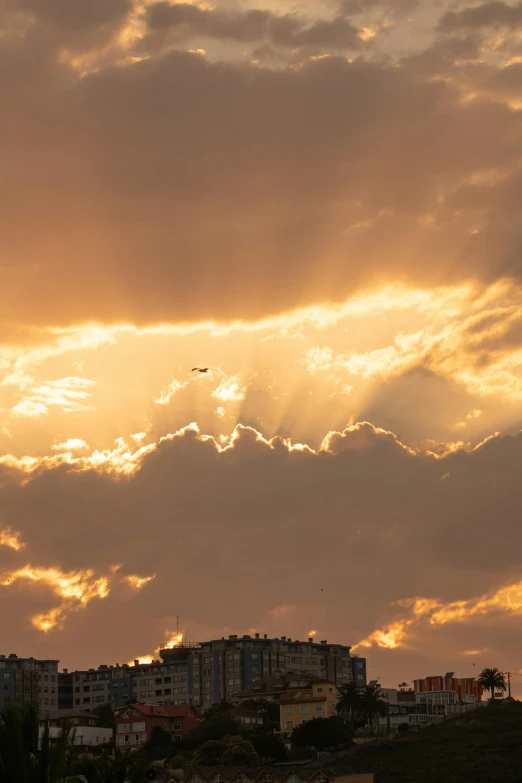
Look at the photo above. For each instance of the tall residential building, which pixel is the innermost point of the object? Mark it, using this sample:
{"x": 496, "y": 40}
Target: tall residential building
{"x": 152, "y": 683}
{"x": 204, "y": 673}
{"x": 222, "y": 668}
{"x": 28, "y": 680}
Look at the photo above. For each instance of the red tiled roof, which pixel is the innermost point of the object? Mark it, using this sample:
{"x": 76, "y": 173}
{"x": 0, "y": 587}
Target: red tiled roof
{"x": 172, "y": 711}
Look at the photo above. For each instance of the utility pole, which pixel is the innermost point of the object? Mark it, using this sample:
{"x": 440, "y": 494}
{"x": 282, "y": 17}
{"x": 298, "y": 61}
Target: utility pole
{"x": 509, "y": 684}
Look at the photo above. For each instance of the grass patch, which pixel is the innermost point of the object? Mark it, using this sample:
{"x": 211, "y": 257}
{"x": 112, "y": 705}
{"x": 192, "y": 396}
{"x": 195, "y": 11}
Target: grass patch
{"x": 484, "y": 746}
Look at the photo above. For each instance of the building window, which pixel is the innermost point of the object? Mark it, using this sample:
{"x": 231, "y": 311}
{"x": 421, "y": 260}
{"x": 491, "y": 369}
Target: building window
{"x": 289, "y": 724}
{"x": 289, "y": 710}
{"x": 303, "y": 709}
{"x": 318, "y": 707}
{"x": 319, "y": 690}
{"x": 330, "y": 690}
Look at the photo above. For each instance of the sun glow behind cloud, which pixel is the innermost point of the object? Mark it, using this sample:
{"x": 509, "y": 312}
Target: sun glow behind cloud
{"x": 11, "y": 539}
{"x": 507, "y": 599}
{"x": 75, "y": 588}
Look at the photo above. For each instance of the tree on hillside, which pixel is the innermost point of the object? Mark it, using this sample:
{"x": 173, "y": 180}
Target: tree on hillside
{"x": 233, "y": 751}
{"x": 492, "y": 680}
{"x": 219, "y": 708}
{"x": 125, "y": 765}
{"x": 372, "y": 704}
{"x": 268, "y": 747}
{"x": 322, "y": 733}
{"x": 209, "y": 754}
{"x": 214, "y": 728}
{"x": 105, "y": 715}
{"x": 349, "y": 701}
{"x": 160, "y": 738}
{"x": 239, "y": 752}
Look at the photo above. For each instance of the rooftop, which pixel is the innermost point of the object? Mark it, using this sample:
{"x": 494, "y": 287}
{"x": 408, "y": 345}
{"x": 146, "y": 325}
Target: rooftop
{"x": 173, "y": 711}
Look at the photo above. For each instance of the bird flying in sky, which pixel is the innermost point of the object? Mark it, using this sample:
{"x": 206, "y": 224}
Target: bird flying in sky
{"x": 201, "y": 369}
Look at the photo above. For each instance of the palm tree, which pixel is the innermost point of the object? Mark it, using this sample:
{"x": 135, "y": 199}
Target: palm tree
{"x": 372, "y": 704}
{"x": 492, "y": 680}
{"x": 349, "y": 700}
{"x": 25, "y": 757}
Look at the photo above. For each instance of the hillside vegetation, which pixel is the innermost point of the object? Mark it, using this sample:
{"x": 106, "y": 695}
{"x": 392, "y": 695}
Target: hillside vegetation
{"x": 484, "y": 746}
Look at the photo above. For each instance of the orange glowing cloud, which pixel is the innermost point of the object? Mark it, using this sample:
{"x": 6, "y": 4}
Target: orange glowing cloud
{"x": 75, "y": 588}
{"x": 138, "y": 581}
{"x": 11, "y": 539}
{"x": 173, "y": 639}
{"x": 390, "y": 637}
{"x": 435, "y": 612}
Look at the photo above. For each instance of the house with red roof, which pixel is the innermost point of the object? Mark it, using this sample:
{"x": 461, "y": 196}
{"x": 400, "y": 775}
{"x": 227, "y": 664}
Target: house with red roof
{"x": 134, "y": 724}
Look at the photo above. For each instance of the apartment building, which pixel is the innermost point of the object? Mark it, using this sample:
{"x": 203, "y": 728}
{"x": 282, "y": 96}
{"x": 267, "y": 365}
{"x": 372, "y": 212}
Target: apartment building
{"x": 153, "y": 683}
{"x": 162, "y": 683}
{"x": 224, "y": 668}
{"x": 204, "y": 673}
{"x": 28, "y": 680}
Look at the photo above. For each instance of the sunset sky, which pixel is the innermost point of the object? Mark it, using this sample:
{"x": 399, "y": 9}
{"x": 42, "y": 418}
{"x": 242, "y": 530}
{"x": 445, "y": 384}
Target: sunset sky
{"x": 321, "y": 202}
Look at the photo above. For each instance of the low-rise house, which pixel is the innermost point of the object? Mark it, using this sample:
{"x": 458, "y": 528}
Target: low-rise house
{"x": 434, "y": 700}
{"x": 465, "y": 689}
{"x": 316, "y": 701}
{"x": 85, "y": 737}
{"x": 87, "y": 733}
{"x": 134, "y": 724}
{"x": 272, "y": 688}
{"x": 246, "y": 717}
{"x": 73, "y": 718}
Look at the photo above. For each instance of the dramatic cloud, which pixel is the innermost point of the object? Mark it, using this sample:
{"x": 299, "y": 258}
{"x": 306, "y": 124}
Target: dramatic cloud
{"x": 506, "y": 599}
{"x": 401, "y": 530}
{"x": 192, "y": 21}
{"x": 189, "y": 187}
{"x": 321, "y": 206}
{"x": 492, "y": 14}
{"x": 11, "y": 539}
